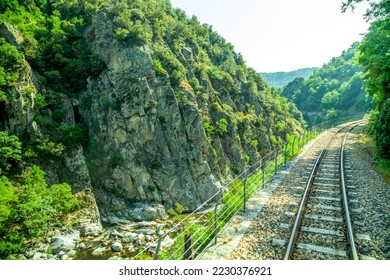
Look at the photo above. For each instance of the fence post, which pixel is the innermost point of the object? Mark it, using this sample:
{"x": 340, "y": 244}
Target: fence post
{"x": 299, "y": 142}
{"x": 159, "y": 233}
{"x": 245, "y": 194}
{"x": 215, "y": 223}
{"x": 285, "y": 153}
{"x": 276, "y": 160}
{"x": 187, "y": 247}
{"x": 263, "y": 171}
{"x": 293, "y": 144}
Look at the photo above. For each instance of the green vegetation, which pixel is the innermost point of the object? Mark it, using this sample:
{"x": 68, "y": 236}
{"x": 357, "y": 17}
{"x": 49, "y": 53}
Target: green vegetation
{"x": 10, "y": 151}
{"x": 382, "y": 165}
{"x": 280, "y": 79}
{"x": 201, "y": 227}
{"x": 374, "y": 56}
{"x": 53, "y": 44}
{"x": 29, "y": 208}
{"x": 9, "y": 59}
{"x": 335, "y": 90}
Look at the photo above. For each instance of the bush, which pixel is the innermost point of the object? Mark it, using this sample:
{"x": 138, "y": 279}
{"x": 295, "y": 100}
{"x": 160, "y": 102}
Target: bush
{"x": 159, "y": 68}
{"x": 10, "y": 151}
{"x": 62, "y": 199}
{"x": 74, "y": 136}
{"x": 7, "y": 199}
{"x": 29, "y": 209}
{"x": 115, "y": 160}
{"x": 222, "y": 125}
{"x": 381, "y": 130}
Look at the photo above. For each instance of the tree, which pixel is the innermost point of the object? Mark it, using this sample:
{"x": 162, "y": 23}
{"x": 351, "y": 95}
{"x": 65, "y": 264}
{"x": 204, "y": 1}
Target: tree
{"x": 10, "y": 151}
{"x": 7, "y": 199}
{"x": 382, "y": 130}
{"x": 374, "y": 56}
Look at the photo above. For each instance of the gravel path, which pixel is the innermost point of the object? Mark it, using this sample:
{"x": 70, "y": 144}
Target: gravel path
{"x": 372, "y": 223}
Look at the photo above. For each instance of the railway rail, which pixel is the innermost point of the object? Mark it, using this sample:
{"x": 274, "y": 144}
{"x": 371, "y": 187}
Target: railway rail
{"x": 322, "y": 227}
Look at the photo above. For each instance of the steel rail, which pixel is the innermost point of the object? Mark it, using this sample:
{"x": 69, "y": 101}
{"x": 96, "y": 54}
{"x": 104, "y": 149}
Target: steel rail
{"x": 298, "y": 219}
{"x": 350, "y": 235}
{"x": 297, "y": 224}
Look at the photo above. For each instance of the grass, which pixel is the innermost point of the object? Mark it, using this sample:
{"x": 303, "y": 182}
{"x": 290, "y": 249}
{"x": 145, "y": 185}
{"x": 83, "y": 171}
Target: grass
{"x": 382, "y": 165}
{"x": 202, "y": 230}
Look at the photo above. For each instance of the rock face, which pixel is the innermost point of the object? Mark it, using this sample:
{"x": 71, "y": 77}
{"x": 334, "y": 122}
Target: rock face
{"x": 160, "y": 145}
{"x": 18, "y": 116}
{"x": 155, "y": 141}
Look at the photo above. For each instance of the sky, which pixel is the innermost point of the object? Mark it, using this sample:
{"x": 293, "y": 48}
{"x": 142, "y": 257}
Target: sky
{"x": 281, "y": 35}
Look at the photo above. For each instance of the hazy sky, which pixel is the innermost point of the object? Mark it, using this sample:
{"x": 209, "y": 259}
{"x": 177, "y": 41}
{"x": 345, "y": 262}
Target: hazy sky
{"x": 281, "y": 35}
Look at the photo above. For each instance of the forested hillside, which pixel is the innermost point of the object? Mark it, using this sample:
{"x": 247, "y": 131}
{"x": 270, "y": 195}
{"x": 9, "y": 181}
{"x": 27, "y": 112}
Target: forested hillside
{"x": 374, "y": 56}
{"x": 129, "y": 102}
{"x": 280, "y": 79}
{"x": 337, "y": 89}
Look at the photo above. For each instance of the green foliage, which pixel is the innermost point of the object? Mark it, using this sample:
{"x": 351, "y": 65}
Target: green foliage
{"x": 62, "y": 199}
{"x": 34, "y": 209}
{"x": 115, "y": 160}
{"x": 221, "y": 126}
{"x": 179, "y": 208}
{"x": 10, "y": 151}
{"x": 87, "y": 101}
{"x": 53, "y": 41}
{"x": 72, "y": 137}
{"x": 7, "y": 200}
{"x": 9, "y": 55}
{"x": 171, "y": 64}
{"x": 49, "y": 148}
{"x": 28, "y": 208}
{"x": 374, "y": 56}
{"x": 381, "y": 130}
{"x": 337, "y": 86}
{"x": 131, "y": 22}
{"x": 159, "y": 68}
{"x": 9, "y": 59}
{"x": 208, "y": 126}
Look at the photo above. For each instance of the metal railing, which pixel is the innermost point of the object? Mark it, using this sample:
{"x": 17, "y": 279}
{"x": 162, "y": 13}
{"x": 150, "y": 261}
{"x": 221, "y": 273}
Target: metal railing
{"x": 188, "y": 237}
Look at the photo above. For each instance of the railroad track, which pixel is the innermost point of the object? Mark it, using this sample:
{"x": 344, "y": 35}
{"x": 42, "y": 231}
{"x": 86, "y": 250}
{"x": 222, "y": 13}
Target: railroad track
{"x": 321, "y": 227}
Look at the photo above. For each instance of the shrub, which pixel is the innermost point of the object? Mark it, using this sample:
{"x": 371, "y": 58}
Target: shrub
{"x": 62, "y": 199}
{"x": 10, "y": 151}
{"x": 72, "y": 137}
{"x": 115, "y": 160}
{"x": 381, "y": 130}
{"x": 159, "y": 68}
{"x": 222, "y": 125}
{"x": 7, "y": 199}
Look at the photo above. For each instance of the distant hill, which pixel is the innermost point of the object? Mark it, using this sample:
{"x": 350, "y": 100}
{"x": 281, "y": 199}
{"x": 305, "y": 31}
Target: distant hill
{"x": 280, "y": 79}
{"x": 335, "y": 90}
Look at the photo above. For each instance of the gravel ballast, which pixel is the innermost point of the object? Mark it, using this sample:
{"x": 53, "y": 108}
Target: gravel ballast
{"x": 371, "y": 222}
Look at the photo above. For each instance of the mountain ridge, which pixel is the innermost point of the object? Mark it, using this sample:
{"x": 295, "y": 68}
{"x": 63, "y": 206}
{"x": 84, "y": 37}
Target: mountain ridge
{"x": 282, "y": 78}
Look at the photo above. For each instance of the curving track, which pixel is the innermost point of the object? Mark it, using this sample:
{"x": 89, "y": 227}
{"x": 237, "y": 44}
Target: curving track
{"x": 322, "y": 226}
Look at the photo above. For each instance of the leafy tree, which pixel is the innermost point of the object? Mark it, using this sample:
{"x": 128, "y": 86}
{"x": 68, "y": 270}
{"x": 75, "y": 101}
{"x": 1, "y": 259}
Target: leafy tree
{"x": 10, "y": 151}
{"x": 7, "y": 200}
{"x": 381, "y": 130}
{"x": 338, "y": 85}
{"x": 374, "y": 56}
{"x": 62, "y": 199}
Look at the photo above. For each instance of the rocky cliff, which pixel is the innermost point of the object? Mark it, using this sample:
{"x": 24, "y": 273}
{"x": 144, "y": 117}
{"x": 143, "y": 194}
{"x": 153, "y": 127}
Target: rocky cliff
{"x": 167, "y": 120}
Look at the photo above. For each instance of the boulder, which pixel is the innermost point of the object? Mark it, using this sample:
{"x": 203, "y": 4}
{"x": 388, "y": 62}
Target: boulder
{"x": 129, "y": 237}
{"x": 116, "y": 247}
{"x": 91, "y": 230}
{"x": 64, "y": 243}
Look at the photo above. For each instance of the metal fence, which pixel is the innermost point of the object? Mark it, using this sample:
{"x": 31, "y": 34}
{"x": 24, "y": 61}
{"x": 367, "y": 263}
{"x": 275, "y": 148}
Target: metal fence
{"x": 189, "y": 235}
